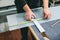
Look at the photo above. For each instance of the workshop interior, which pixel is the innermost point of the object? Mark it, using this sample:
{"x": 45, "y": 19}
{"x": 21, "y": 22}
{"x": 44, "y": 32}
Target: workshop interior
{"x": 38, "y": 29}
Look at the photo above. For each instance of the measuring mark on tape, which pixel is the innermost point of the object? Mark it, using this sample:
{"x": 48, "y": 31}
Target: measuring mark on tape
{"x": 25, "y": 22}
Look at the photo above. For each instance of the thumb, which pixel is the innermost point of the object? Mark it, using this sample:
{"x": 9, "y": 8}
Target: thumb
{"x": 34, "y": 16}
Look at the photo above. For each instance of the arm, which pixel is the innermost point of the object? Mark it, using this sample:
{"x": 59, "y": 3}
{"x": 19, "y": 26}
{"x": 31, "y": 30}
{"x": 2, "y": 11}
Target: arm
{"x": 45, "y": 3}
{"x": 21, "y": 4}
{"x": 26, "y": 8}
{"x": 46, "y": 11}
{"x": 29, "y": 12}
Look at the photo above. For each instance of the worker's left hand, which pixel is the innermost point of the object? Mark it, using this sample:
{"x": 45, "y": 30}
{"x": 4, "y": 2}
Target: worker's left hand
{"x": 46, "y": 13}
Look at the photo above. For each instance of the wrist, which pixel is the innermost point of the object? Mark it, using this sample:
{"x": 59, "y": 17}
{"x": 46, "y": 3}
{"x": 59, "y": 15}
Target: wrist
{"x": 29, "y": 10}
{"x": 45, "y": 7}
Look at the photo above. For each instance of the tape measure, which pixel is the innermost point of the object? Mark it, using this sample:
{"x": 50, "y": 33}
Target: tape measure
{"x": 25, "y": 22}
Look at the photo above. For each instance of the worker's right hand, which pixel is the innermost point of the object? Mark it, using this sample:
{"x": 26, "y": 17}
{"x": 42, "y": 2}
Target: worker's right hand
{"x": 29, "y": 14}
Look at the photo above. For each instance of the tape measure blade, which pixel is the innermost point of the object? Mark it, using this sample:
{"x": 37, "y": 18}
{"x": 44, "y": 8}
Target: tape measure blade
{"x": 38, "y": 25}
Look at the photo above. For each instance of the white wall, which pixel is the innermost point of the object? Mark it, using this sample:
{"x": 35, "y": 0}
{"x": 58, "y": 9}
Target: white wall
{"x": 6, "y": 2}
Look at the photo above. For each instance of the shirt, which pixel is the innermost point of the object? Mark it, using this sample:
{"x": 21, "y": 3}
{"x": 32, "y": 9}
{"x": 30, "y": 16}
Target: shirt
{"x": 31, "y": 3}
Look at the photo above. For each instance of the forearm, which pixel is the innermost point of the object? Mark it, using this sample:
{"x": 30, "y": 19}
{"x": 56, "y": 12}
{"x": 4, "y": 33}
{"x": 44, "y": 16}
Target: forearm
{"x": 26, "y": 8}
{"x": 45, "y": 3}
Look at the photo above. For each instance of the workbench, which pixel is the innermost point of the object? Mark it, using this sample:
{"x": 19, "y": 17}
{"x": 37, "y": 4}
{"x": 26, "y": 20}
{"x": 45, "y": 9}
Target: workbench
{"x": 16, "y": 20}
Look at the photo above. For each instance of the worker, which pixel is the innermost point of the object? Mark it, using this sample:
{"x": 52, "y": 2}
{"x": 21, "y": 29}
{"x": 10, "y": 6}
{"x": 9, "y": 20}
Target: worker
{"x": 26, "y": 6}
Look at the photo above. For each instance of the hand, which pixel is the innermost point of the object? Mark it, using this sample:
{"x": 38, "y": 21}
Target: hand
{"x": 29, "y": 14}
{"x": 46, "y": 13}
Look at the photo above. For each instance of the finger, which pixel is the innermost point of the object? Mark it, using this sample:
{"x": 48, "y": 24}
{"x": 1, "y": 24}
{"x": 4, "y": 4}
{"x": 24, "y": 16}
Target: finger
{"x": 29, "y": 17}
{"x": 34, "y": 16}
{"x": 49, "y": 15}
{"x": 45, "y": 16}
